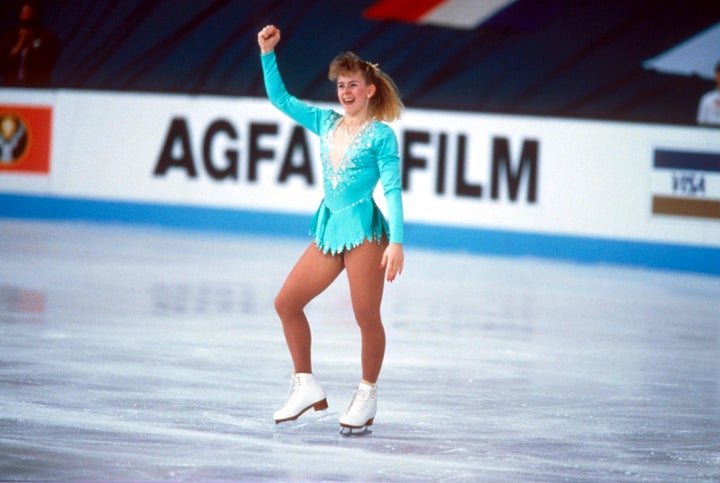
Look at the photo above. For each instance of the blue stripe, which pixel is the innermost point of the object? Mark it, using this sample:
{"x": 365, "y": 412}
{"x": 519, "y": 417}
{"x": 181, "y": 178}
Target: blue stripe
{"x": 687, "y": 160}
{"x": 481, "y": 241}
{"x": 571, "y": 248}
{"x": 172, "y": 216}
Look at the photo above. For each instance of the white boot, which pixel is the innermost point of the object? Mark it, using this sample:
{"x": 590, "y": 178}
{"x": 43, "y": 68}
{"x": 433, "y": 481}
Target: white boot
{"x": 362, "y": 409}
{"x": 306, "y": 393}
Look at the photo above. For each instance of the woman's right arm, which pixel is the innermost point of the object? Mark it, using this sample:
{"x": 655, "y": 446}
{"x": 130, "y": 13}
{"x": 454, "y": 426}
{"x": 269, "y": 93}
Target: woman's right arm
{"x": 307, "y": 116}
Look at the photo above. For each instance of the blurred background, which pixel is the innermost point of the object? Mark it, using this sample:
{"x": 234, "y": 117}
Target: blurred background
{"x": 581, "y": 59}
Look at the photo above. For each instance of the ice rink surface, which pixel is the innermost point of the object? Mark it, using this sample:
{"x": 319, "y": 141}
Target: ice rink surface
{"x": 139, "y": 354}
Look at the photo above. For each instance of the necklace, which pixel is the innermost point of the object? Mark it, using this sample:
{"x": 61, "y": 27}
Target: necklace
{"x": 343, "y": 137}
{"x": 351, "y": 129}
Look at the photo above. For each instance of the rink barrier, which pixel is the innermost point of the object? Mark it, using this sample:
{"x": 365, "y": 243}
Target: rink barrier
{"x": 494, "y": 242}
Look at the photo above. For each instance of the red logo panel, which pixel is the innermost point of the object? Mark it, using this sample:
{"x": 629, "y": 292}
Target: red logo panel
{"x": 25, "y": 135}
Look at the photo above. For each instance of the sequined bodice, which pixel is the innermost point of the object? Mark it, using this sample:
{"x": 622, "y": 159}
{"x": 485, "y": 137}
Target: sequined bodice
{"x": 354, "y": 177}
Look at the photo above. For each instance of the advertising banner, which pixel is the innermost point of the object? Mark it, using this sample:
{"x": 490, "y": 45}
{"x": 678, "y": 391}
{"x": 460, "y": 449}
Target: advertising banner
{"x": 602, "y": 180}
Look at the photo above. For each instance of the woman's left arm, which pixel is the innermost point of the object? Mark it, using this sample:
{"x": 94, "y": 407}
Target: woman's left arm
{"x": 389, "y": 166}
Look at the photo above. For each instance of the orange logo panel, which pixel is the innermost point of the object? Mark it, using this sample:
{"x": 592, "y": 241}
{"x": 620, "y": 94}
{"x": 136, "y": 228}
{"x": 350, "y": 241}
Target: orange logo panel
{"x": 25, "y": 134}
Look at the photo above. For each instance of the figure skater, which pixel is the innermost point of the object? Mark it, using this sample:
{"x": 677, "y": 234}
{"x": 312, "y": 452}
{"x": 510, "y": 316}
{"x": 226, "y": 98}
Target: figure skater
{"x": 350, "y": 233}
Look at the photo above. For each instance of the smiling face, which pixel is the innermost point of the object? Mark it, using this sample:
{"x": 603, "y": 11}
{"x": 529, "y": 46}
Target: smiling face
{"x": 354, "y": 94}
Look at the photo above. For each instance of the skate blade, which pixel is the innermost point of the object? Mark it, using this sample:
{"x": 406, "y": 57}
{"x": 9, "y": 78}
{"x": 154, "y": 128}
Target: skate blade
{"x": 347, "y": 432}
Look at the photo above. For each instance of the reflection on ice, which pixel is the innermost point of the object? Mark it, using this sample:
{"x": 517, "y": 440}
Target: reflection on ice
{"x": 160, "y": 357}
{"x": 172, "y": 298}
{"x": 18, "y": 304}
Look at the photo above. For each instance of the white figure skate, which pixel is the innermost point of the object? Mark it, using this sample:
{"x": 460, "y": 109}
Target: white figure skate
{"x": 306, "y": 393}
{"x": 361, "y": 412}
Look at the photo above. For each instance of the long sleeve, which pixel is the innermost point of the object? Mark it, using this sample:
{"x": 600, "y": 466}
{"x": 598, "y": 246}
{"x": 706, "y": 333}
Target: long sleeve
{"x": 389, "y": 166}
{"x": 307, "y": 116}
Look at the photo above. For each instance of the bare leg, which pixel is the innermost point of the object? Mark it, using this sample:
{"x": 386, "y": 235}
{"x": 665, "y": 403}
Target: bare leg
{"x": 311, "y": 275}
{"x": 366, "y": 280}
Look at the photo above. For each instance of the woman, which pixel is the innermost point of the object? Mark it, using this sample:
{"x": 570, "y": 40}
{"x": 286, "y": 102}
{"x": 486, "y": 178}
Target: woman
{"x": 357, "y": 151}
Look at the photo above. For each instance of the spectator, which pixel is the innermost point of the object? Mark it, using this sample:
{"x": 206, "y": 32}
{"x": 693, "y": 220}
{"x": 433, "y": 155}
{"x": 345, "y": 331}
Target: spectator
{"x": 28, "y": 53}
{"x": 709, "y": 108}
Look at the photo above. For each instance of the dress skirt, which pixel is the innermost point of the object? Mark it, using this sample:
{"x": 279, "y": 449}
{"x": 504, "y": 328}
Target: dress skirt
{"x": 343, "y": 229}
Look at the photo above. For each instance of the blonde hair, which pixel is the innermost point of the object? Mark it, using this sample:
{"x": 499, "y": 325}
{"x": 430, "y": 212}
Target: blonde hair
{"x": 385, "y": 104}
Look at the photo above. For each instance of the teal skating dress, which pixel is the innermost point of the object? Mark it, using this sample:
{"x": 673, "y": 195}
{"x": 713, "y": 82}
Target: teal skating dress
{"x": 347, "y": 215}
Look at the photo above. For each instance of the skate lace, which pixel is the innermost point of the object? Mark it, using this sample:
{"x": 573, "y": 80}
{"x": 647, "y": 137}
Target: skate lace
{"x": 362, "y": 398}
{"x": 293, "y": 388}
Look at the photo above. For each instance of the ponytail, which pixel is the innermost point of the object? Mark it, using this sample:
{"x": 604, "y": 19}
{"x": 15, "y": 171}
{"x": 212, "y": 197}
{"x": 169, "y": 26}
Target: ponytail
{"x": 385, "y": 104}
